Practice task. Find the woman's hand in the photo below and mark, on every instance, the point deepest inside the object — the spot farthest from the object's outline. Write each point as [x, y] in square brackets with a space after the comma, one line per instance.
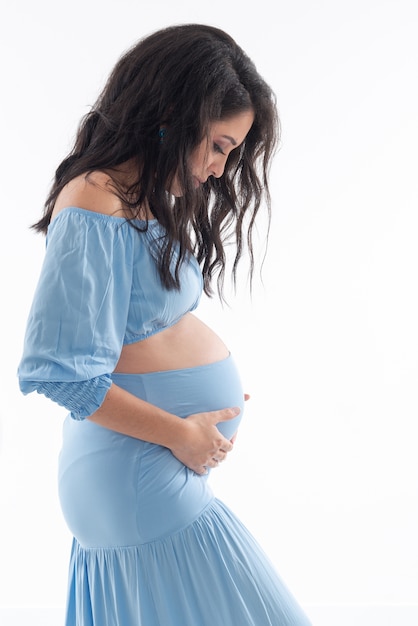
[202, 445]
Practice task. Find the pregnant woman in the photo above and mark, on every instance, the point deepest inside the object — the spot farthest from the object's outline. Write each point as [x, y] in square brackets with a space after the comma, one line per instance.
[171, 162]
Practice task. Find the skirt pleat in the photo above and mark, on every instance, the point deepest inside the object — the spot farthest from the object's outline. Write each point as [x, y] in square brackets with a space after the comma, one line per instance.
[212, 572]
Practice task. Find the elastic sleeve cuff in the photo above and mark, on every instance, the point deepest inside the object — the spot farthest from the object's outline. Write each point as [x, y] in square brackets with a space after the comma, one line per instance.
[80, 398]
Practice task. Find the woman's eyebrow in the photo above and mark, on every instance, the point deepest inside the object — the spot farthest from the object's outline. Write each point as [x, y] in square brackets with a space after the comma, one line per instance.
[231, 139]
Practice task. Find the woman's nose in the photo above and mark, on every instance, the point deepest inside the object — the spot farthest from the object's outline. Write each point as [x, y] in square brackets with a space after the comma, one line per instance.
[217, 167]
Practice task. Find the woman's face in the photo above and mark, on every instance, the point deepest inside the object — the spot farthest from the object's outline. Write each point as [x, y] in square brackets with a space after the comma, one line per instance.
[210, 156]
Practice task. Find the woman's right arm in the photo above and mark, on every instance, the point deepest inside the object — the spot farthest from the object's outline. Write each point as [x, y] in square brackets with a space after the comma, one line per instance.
[194, 440]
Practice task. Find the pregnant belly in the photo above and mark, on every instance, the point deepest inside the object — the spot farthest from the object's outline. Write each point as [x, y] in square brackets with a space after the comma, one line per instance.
[118, 491]
[189, 343]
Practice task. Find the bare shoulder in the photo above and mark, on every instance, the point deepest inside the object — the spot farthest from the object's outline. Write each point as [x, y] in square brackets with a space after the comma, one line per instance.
[92, 192]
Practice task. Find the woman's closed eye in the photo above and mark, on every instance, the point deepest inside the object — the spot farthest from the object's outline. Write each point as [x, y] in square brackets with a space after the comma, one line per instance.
[217, 148]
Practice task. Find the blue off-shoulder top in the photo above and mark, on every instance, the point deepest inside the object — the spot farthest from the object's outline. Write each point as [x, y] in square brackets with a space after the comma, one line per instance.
[99, 289]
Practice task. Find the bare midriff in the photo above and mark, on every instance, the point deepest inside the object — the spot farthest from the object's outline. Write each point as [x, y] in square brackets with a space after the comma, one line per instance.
[189, 343]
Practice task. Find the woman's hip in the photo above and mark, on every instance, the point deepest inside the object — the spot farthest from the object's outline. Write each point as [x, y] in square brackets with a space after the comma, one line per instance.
[117, 490]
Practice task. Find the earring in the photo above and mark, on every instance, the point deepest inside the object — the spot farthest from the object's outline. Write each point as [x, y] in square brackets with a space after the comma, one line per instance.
[161, 134]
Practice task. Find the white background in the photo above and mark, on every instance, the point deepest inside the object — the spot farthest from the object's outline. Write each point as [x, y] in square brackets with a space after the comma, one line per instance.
[325, 471]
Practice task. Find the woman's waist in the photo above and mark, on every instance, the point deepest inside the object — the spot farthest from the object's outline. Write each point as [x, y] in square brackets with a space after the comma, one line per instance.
[182, 392]
[206, 387]
[190, 390]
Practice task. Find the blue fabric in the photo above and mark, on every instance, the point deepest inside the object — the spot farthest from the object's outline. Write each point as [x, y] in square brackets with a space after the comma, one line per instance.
[98, 290]
[153, 546]
[80, 398]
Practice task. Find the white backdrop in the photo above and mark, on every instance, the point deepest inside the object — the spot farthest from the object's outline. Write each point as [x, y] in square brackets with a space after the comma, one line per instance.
[325, 469]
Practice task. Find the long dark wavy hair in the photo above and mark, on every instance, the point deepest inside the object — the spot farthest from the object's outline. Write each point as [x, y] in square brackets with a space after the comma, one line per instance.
[182, 78]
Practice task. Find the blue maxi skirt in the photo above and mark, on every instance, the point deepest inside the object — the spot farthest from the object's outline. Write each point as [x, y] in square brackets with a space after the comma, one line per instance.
[152, 545]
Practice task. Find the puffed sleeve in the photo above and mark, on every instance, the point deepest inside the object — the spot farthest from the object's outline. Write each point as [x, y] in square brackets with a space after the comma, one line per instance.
[78, 317]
